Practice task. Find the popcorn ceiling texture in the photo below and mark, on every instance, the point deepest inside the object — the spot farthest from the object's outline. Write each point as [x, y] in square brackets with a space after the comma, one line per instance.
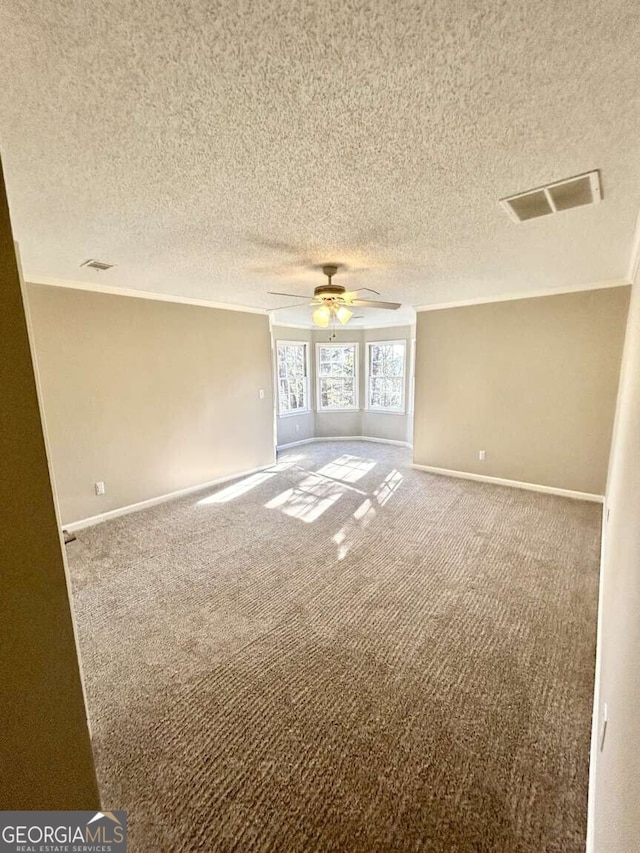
[217, 149]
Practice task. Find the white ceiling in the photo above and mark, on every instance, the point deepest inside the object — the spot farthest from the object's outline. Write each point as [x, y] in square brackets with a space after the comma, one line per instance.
[219, 150]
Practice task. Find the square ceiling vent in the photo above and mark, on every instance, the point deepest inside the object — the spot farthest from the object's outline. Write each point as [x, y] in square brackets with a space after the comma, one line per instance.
[554, 198]
[97, 265]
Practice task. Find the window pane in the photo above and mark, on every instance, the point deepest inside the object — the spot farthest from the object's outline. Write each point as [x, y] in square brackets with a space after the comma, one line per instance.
[336, 361]
[324, 361]
[349, 361]
[386, 375]
[337, 393]
[298, 390]
[282, 367]
[393, 393]
[374, 391]
[337, 370]
[395, 360]
[284, 395]
[290, 357]
[347, 398]
[292, 377]
[375, 364]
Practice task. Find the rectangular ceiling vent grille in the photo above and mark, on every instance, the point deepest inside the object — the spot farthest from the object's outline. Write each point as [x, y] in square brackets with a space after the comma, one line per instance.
[96, 265]
[554, 198]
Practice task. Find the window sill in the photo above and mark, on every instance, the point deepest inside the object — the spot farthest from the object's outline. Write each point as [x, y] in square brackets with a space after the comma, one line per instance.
[334, 411]
[373, 411]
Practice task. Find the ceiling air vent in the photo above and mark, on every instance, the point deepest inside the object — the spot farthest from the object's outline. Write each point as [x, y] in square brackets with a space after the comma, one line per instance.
[96, 265]
[562, 195]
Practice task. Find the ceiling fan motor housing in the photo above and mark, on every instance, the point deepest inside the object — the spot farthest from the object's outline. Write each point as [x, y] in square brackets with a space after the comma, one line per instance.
[329, 291]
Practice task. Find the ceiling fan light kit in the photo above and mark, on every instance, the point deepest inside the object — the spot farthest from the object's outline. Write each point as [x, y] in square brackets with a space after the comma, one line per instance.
[322, 316]
[332, 300]
[343, 314]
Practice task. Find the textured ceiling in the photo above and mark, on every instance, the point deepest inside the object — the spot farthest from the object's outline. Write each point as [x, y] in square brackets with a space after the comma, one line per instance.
[219, 150]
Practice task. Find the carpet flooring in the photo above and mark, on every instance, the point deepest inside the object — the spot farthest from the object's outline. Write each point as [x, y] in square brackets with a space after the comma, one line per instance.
[343, 654]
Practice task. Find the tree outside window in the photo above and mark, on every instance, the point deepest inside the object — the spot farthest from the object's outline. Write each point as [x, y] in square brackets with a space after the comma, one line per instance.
[293, 384]
[337, 368]
[385, 373]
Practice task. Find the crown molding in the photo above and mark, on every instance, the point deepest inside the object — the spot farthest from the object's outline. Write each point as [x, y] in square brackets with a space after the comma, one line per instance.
[291, 325]
[534, 294]
[93, 287]
[140, 294]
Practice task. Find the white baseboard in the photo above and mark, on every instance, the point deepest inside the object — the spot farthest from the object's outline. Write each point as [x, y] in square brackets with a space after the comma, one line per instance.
[379, 440]
[125, 510]
[516, 484]
[295, 443]
[595, 715]
[344, 438]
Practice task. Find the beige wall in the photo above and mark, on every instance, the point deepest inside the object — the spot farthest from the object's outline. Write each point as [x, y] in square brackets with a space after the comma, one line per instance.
[45, 752]
[532, 382]
[617, 767]
[150, 397]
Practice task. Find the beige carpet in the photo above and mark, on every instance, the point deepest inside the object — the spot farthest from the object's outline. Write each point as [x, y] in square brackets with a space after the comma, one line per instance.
[343, 654]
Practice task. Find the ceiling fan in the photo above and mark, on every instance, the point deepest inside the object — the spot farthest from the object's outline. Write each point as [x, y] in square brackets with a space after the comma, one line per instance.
[332, 300]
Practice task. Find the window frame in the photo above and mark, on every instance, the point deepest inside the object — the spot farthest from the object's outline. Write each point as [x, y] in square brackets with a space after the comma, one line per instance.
[288, 413]
[356, 377]
[412, 378]
[402, 410]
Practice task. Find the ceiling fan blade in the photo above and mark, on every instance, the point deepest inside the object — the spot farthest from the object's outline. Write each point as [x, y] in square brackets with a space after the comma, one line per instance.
[285, 307]
[351, 293]
[366, 303]
[294, 295]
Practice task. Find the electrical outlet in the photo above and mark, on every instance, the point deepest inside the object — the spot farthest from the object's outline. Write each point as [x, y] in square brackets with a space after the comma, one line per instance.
[261, 393]
[297, 427]
[481, 455]
[100, 488]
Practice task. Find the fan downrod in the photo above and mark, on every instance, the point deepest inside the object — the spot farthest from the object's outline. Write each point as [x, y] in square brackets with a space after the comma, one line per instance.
[329, 290]
[330, 270]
